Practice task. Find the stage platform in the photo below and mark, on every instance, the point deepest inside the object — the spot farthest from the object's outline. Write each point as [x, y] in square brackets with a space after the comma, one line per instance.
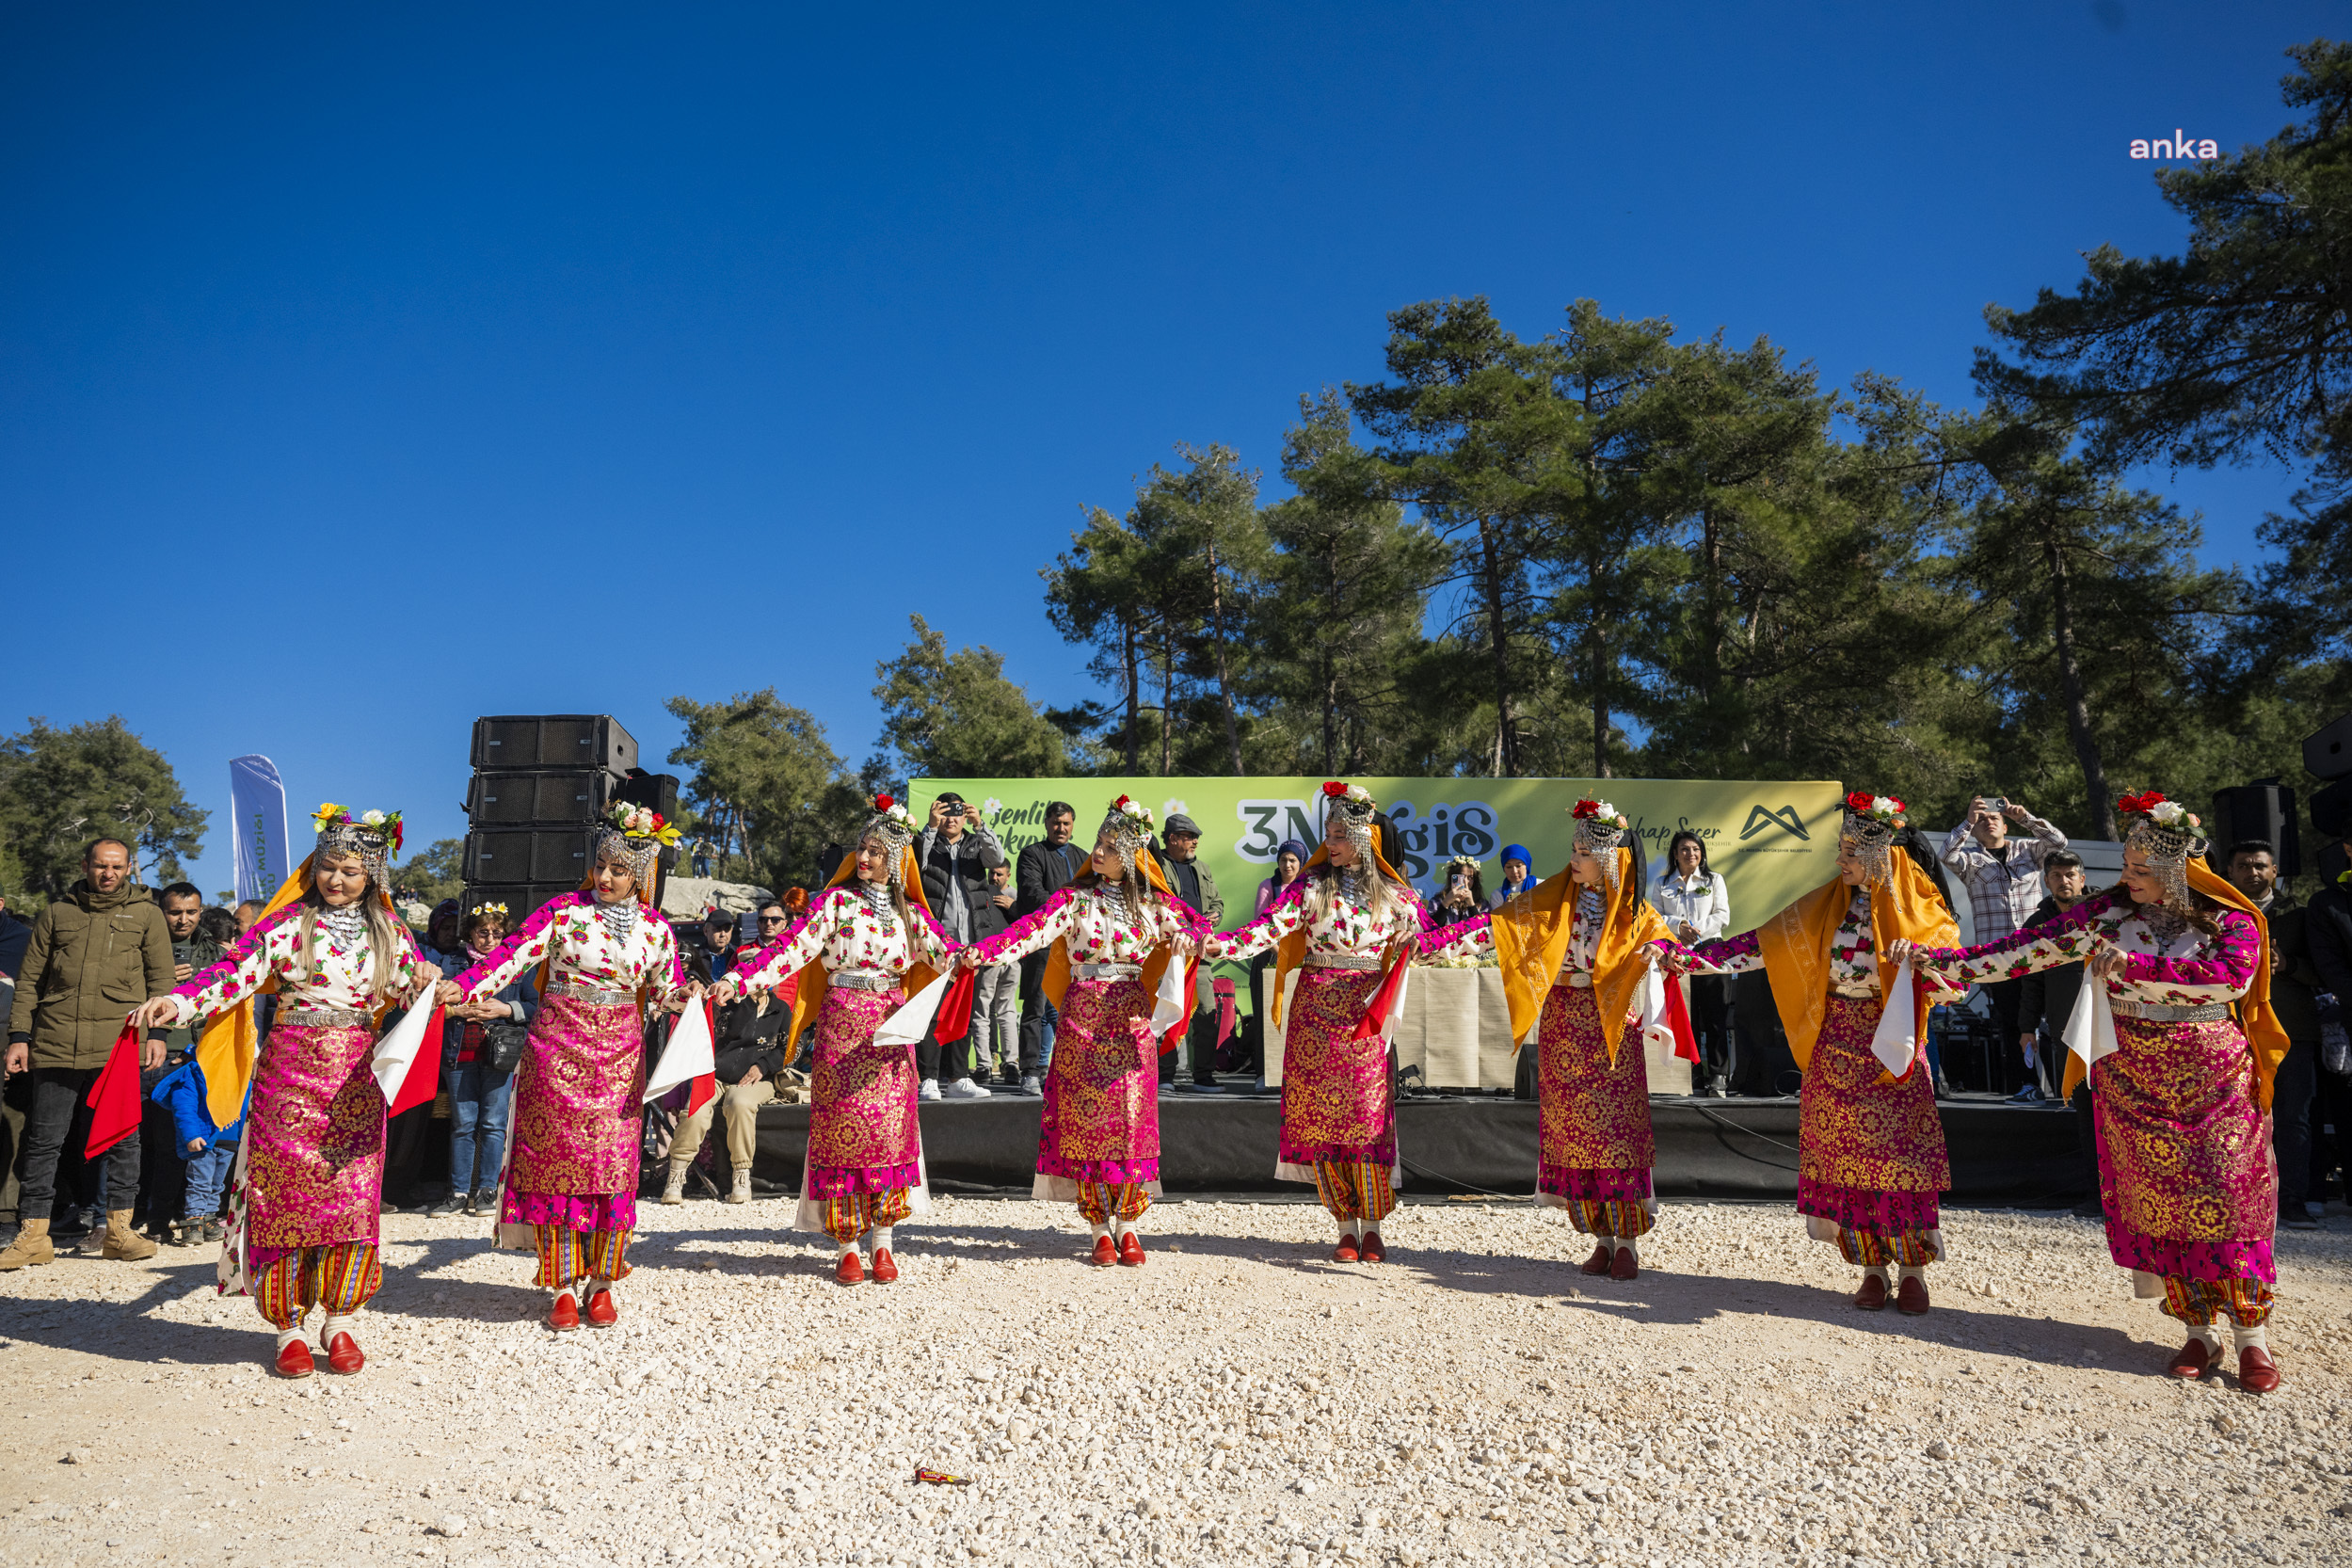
[2001, 1154]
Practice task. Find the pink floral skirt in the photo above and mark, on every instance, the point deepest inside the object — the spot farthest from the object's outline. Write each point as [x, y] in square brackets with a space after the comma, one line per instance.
[2186, 1164]
[1339, 1101]
[863, 1135]
[577, 1118]
[1594, 1138]
[1102, 1120]
[1870, 1151]
[314, 1142]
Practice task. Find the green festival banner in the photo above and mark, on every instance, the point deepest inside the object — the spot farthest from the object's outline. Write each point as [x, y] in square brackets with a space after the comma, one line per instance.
[1770, 841]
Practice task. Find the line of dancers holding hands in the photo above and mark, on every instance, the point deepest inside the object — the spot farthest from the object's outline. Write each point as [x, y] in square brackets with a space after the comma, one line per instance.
[2176, 1035]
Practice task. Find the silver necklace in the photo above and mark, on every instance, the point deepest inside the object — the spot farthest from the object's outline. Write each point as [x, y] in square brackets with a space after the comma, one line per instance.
[619, 918]
[345, 925]
[877, 897]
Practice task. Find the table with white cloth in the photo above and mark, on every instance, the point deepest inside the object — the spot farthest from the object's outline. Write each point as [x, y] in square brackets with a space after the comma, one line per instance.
[1455, 1026]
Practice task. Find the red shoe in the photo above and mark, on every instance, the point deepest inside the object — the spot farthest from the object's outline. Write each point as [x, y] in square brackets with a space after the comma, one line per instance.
[565, 1315]
[1872, 1296]
[1131, 1250]
[885, 1266]
[1622, 1266]
[2257, 1372]
[1911, 1297]
[1603, 1259]
[1370, 1249]
[1106, 1252]
[602, 1312]
[852, 1271]
[294, 1360]
[2192, 1360]
[342, 1356]
[1345, 1251]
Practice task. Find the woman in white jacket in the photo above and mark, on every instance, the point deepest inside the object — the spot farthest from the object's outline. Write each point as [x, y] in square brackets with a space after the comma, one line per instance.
[1698, 908]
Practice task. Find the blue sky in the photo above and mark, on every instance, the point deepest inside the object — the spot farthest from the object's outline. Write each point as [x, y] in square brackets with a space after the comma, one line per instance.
[566, 358]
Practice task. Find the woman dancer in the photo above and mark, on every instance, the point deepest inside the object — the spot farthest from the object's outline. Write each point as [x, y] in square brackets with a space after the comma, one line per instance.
[1870, 1161]
[1345, 922]
[1575, 954]
[864, 944]
[310, 1168]
[1114, 931]
[608, 958]
[2181, 1056]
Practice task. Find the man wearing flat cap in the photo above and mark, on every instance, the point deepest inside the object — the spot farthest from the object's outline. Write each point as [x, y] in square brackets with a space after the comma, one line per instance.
[1189, 881]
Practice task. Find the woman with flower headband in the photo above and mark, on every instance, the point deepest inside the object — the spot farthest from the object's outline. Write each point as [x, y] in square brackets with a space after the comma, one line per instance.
[607, 959]
[1577, 954]
[1344, 922]
[310, 1166]
[1116, 933]
[1870, 1158]
[864, 944]
[2181, 1047]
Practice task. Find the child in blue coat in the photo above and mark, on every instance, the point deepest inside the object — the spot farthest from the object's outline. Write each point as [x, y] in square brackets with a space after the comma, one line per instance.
[210, 1152]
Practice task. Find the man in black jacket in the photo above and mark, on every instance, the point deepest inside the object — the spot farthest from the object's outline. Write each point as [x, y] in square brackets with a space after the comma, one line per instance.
[2327, 944]
[2044, 1002]
[749, 1048]
[1044, 869]
[2252, 869]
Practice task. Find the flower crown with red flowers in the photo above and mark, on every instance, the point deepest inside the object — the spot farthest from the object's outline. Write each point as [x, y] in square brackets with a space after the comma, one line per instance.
[1354, 799]
[1129, 824]
[1599, 824]
[374, 837]
[2166, 832]
[1873, 816]
[632, 821]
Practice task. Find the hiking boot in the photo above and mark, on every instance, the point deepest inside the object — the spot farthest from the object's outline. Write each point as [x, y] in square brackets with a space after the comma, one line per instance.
[31, 1247]
[122, 1243]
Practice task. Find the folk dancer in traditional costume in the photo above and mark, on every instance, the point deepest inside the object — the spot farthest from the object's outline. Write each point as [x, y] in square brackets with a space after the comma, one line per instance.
[607, 960]
[310, 1181]
[1341, 926]
[1579, 954]
[1121, 940]
[2181, 1046]
[860, 949]
[1870, 1162]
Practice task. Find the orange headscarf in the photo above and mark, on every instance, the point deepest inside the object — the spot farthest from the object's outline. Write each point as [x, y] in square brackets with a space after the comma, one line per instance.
[815, 980]
[1155, 966]
[1291, 951]
[1795, 942]
[1531, 937]
[2265, 1035]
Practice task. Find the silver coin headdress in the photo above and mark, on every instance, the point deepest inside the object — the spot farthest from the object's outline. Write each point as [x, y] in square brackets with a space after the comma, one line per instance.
[1600, 828]
[1872, 823]
[1352, 807]
[1128, 824]
[633, 836]
[892, 826]
[2166, 832]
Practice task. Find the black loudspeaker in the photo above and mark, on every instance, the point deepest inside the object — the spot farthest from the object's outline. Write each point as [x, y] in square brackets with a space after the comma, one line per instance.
[522, 900]
[519, 741]
[548, 795]
[511, 855]
[657, 790]
[2331, 811]
[2327, 753]
[2265, 811]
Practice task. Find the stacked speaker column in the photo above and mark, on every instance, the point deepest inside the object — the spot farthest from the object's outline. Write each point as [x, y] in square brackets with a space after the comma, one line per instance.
[541, 786]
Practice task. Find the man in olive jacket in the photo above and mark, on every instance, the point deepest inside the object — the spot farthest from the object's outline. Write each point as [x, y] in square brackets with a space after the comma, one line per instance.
[94, 956]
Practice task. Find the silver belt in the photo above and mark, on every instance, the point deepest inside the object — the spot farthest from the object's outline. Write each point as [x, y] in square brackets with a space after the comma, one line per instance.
[325, 1017]
[1106, 971]
[1577, 979]
[864, 980]
[2166, 1013]
[1339, 961]
[590, 993]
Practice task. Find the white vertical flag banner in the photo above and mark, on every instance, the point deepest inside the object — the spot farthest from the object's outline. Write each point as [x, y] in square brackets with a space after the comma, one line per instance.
[256, 827]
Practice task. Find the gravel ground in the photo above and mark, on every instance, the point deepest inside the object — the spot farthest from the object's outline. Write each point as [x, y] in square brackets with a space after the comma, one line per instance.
[1238, 1400]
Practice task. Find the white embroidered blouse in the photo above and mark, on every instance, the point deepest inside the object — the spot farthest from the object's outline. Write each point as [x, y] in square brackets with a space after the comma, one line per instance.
[843, 931]
[581, 948]
[1345, 929]
[342, 974]
[1101, 928]
[2178, 966]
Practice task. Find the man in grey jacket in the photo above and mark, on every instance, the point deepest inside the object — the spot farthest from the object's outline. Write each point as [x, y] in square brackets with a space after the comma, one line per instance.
[94, 956]
[955, 850]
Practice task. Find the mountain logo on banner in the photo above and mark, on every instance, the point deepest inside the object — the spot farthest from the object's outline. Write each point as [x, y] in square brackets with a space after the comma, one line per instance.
[1759, 819]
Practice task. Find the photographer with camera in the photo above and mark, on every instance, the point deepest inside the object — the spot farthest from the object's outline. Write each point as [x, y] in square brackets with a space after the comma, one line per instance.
[2003, 875]
[956, 851]
[1462, 896]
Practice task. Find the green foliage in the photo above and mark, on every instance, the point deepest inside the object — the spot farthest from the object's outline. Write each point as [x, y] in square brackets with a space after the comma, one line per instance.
[434, 872]
[766, 787]
[61, 787]
[954, 716]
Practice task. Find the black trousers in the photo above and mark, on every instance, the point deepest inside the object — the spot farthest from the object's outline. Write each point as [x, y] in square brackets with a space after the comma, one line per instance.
[2010, 1069]
[59, 1116]
[2292, 1096]
[949, 1062]
[1710, 1008]
[1037, 1014]
[2086, 1139]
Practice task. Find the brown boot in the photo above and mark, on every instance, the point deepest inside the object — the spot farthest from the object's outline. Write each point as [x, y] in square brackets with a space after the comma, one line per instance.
[31, 1247]
[122, 1243]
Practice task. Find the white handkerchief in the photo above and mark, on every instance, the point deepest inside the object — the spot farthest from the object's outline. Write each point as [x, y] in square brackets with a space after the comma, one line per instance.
[2090, 1028]
[1895, 1041]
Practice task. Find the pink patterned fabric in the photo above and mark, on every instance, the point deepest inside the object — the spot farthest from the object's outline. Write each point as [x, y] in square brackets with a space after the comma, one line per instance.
[863, 1135]
[2186, 1164]
[576, 1107]
[1870, 1153]
[1338, 1102]
[2235, 954]
[1592, 1128]
[1102, 1120]
[572, 1211]
[314, 1132]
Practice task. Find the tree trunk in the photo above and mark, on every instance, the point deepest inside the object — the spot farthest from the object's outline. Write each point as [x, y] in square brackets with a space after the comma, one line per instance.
[2071, 686]
[1497, 635]
[1600, 676]
[1167, 694]
[1134, 695]
[1224, 678]
[1711, 608]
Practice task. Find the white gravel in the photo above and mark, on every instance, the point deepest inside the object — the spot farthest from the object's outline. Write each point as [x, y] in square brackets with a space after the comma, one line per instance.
[1240, 1400]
